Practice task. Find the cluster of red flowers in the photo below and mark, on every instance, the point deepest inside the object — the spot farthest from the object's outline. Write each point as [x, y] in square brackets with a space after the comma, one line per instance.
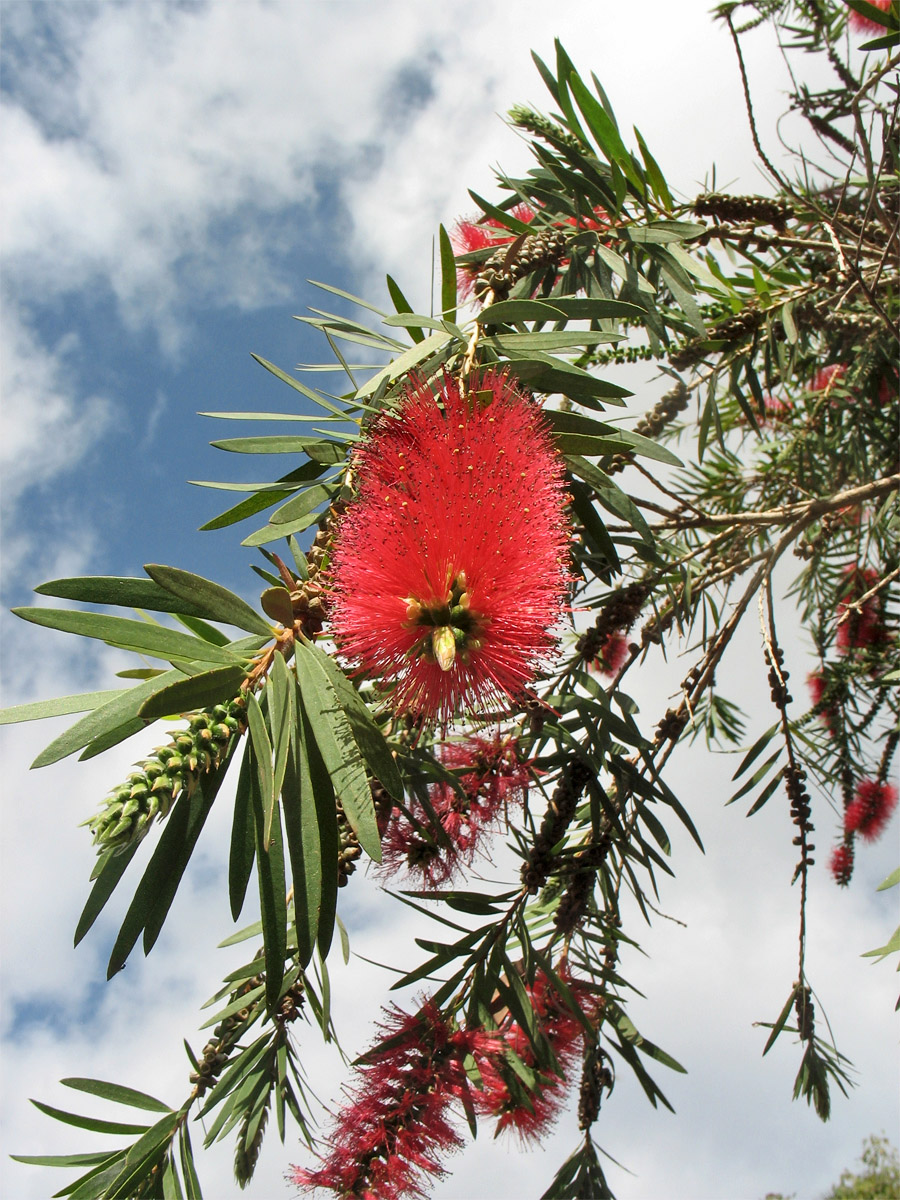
[612, 655]
[864, 24]
[468, 235]
[396, 1124]
[530, 1114]
[449, 570]
[397, 1119]
[818, 686]
[492, 777]
[860, 625]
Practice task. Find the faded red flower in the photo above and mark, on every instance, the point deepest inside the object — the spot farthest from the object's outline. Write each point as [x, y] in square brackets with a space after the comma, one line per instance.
[887, 389]
[395, 1126]
[449, 570]
[827, 377]
[776, 410]
[871, 809]
[864, 24]
[860, 625]
[818, 686]
[492, 776]
[531, 1113]
[612, 655]
[841, 864]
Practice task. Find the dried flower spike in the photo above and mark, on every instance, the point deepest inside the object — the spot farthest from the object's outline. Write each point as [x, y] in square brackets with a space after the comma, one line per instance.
[449, 570]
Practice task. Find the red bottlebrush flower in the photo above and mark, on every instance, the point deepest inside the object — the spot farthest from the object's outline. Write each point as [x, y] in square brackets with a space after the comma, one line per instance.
[818, 685]
[492, 776]
[776, 410]
[449, 570]
[864, 24]
[827, 377]
[841, 864]
[859, 625]
[612, 656]
[395, 1125]
[467, 236]
[530, 1114]
[887, 389]
[871, 809]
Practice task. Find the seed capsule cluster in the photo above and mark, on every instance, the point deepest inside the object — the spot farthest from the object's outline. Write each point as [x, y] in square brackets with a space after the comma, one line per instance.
[732, 330]
[596, 1078]
[217, 1049]
[662, 414]
[500, 272]
[558, 817]
[151, 789]
[573, 904]
[759, 210]
[619, 613]
[349, 848]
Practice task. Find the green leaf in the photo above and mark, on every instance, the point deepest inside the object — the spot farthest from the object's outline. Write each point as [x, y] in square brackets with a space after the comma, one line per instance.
[243, 841]
[123, 593]
[199, 691]
[191, 1182]
[140, 1158]
[157, 641]
[308, 500]
[122, 707]
[272, 906]
[321, 451]
[448, 275]
[93, 1123]
[340, 753]
[551, 340]
[504, 312]
[261, 750]
[62, 706]
[892, 881]
[66, 1160]
[319, 833]
[654, 174]
[404, 363]
[402, 305]
[280, 690]
[369, 738]
[117, 1093]
[605, 133]
[216, 603]
[296, 384]
[109, 870]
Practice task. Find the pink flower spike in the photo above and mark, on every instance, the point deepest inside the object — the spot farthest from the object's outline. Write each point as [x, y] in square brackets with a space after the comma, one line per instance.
[450, 569]
[871, 809]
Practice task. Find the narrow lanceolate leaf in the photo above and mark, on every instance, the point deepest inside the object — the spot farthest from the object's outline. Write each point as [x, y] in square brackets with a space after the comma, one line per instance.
[141, 1157]
[61, 706]
[93, 1123]
[318, 449]
[199, 691]
[140, 636]
[448, 275]
[243, 840]
[124, 706]
[217, 602]
[375, 750]
[261, 760]
[123, 593]
[280, 690]
[340, 753]
[272, 904]
[319, 834]
[117, 1093]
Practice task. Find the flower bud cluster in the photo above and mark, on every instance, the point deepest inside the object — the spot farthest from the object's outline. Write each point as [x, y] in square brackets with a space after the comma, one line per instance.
[151, 790]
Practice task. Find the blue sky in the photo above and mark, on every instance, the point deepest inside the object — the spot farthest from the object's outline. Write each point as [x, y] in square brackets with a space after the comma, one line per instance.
[174, 174]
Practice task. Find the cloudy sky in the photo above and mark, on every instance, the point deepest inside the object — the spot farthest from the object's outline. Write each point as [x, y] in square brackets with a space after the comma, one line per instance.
[174, 173]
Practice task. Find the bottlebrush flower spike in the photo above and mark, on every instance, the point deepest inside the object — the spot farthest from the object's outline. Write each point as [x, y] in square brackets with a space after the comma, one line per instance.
[612, 655]
[449, 570]
[818, 686]
[841, 864]
[827, 377]
[863, 626]
[871, 809]
[492, 776]
[865, 24]
[389, 1135]
[562, 1029]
